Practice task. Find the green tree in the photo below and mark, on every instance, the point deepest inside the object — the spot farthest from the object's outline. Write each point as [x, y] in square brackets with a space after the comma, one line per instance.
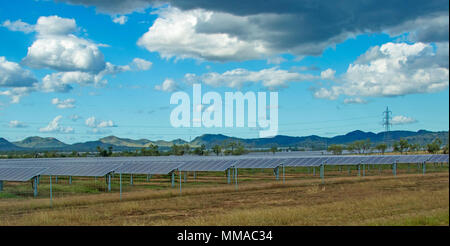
[200, 150]
[360, 146]
[381, 147]
[401, 146]
[434, 146]
[217, 149]
[336, 149]
[414, 147]
[274, 149]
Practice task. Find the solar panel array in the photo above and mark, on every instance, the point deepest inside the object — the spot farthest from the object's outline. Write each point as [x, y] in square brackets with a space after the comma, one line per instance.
[19, 173]
[207, 165]
[438, 158]
[21, 169]
[154, 167]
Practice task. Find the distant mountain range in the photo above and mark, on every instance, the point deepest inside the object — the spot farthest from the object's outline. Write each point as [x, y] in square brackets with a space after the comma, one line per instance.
[309, 142]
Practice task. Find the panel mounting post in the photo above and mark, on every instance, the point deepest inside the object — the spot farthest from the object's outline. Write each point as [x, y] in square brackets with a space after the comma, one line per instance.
[35, 187]
[424, 164]
[179, 174]
[173, 179]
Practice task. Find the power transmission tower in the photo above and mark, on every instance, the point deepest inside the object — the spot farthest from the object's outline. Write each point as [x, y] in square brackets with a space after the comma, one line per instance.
[387, 116]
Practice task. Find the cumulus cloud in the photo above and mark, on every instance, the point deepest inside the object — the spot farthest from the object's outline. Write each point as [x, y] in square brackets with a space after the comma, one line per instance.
[142, 64]
[169, 85]
[173, 34]
[121, 19]
[401, 120]
[18, 26]
[68, 103]
[222, 30]
[76, 60]
[56, 46]
[426, 29]
[270, 78]
[55, 127]
[13, 75]
[356, 100]
[55, 25]
[94, 123]
[392, 69]
[327, 74]
[65, 53]
[63, 81]
[15, 94]
[17, 124]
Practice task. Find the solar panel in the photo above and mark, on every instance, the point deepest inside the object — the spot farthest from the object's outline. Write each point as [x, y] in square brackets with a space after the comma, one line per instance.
[207, 165]
[345, 160]
[19, 173]
[258, 163]
[303, 161]
[438, 158]
[80, 170]
[146, 167]
[412, 158]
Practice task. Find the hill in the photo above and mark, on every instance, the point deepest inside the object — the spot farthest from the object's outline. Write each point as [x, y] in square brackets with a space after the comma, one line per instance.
[5, 145]
[314, 142]
[40, 143]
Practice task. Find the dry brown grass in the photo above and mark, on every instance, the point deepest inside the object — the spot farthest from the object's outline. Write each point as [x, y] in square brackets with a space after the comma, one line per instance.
[374, 200]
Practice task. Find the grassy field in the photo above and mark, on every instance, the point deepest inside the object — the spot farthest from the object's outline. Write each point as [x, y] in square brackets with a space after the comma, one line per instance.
[376, 199]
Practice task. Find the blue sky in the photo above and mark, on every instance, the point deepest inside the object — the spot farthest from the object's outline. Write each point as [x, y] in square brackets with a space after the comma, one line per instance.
[331, 76]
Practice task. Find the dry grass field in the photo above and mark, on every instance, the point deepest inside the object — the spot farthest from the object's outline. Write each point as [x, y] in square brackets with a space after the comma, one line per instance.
[407, 199]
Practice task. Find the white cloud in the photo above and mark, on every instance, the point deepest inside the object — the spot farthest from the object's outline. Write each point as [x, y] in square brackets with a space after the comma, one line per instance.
[121, 19]
[356, 100]
[74, 117]
[17, 93]
[271, 78]
[142, 64]
[18, 26]
[65, 53]
[17, 124]
[194, 28]
[173, 34]
[76, 60]
[401, 120]
[55, 127]
[62, 81]
[393, 69]
[55, 25]
[12, 75]
[169, 85]
[94, 123]
[68, 103]
[327, 74]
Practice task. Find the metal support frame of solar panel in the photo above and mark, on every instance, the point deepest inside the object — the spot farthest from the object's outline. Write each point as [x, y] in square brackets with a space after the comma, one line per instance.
[207, 165]
[19, 173]
[438, 159]
[146, 167]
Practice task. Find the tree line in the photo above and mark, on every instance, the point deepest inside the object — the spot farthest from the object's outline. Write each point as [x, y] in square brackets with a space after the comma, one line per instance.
[402, 146]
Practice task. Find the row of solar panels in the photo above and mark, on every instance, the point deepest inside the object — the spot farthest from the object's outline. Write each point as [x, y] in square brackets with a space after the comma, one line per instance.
[25, 169]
